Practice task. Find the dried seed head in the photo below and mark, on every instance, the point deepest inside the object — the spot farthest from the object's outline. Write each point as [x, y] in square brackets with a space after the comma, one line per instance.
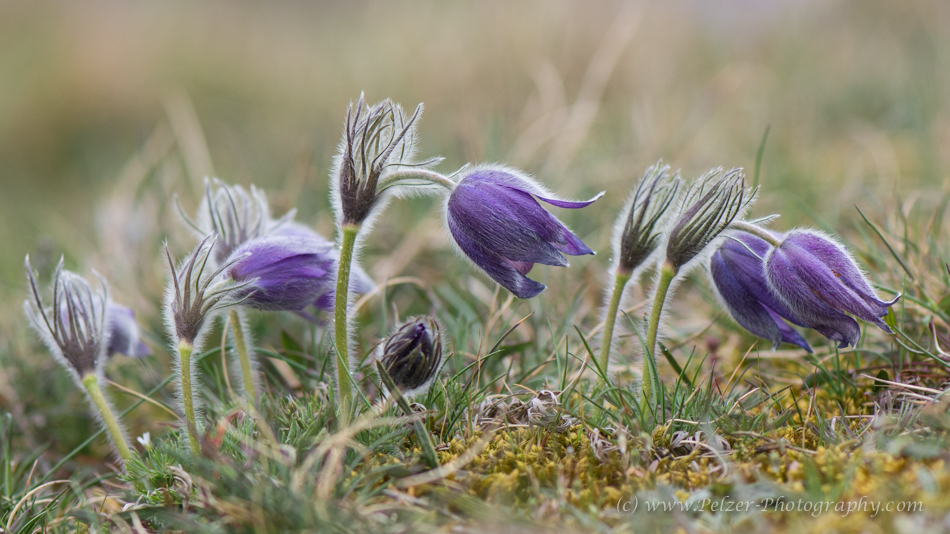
[195, 295]
[412, 356]
[74, 327]
[376, 140]
[709, 206]
[637, 233]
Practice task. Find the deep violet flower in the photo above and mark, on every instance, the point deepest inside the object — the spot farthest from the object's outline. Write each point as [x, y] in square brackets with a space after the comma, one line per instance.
[737, 273]
[412, 355]
[496, 220]
[124, 334]
[818, 280]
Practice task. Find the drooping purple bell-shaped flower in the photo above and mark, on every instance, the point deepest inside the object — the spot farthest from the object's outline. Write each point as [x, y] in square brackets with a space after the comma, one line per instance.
[283, 273]
[360, 282]
[496, 220]
[738, 275]
[819, 281]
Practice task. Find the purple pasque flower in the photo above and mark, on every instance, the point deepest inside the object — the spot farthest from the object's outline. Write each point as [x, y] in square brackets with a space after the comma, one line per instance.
[738, 275]
[495, 218]
[124, 334]
[283, 273]
[813, 274]
[360, 282]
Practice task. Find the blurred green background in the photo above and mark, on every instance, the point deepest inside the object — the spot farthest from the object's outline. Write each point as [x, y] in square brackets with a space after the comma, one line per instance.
[107, 109]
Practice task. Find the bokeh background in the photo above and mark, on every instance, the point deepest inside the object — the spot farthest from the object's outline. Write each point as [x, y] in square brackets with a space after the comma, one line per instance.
[109, 109]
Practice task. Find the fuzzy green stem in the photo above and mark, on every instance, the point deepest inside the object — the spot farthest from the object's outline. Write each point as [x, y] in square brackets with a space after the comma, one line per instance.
[667, 274]
[244, 357]
[184, 350]
[425, 440]
[340, 310]
[620, 282]
[755, 230]
[91, 383]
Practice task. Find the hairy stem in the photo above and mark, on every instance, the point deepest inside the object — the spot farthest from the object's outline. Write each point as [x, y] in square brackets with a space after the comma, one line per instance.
[244, 357]
[340, 310]
[184, 350]
[620, 282]
[755, 230]
[650, 375]
[91, 382]
[422, 174]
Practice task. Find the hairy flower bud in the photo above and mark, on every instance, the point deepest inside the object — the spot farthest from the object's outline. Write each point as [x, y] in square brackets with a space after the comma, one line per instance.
[637, 233]
[412, 356]
[709, 206]
[818, 280]
[496, 220]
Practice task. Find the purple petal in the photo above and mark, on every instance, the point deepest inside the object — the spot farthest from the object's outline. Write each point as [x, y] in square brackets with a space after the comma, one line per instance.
[747, 265]
[786, 282]
[506, 221]
[289, 273]
[498, 268]
[833, 277]
[520, 183]
[745, 300]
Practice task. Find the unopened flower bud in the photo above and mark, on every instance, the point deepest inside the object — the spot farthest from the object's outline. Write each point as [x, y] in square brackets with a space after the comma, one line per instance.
[412, 356]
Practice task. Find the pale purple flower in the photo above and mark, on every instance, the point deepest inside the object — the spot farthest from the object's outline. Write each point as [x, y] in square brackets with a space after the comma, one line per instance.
[738, 275]
[496, 220]
[819, 281]
[124, 334]
[283, 273]
[360, 282]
